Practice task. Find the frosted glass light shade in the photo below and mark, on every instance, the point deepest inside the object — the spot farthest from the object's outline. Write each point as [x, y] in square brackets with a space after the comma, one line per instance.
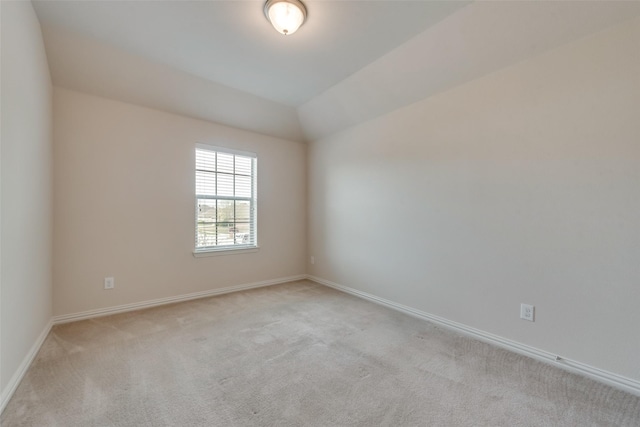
[286, 16]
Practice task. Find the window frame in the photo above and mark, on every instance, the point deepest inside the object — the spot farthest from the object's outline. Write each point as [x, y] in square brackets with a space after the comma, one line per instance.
[234, 248]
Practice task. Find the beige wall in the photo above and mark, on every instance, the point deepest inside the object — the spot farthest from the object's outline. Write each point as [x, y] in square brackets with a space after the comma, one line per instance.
[522, 186]
[26, 190]
[124, 205]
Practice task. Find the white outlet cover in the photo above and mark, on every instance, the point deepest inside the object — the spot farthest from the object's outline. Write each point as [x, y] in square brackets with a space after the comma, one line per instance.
[109, 283]
[527, 312]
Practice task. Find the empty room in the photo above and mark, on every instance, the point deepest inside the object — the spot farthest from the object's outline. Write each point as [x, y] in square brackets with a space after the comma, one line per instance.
[319, 213]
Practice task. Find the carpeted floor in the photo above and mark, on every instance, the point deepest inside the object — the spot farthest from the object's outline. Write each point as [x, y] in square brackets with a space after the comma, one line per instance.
[297, 354]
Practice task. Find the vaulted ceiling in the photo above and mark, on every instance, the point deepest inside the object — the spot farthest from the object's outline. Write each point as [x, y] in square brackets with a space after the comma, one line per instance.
[351, 61]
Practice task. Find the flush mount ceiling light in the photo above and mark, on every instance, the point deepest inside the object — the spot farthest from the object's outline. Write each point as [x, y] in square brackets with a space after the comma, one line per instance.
[286, 16]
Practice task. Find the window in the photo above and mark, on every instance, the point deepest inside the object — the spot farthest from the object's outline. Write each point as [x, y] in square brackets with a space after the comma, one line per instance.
[225, 199]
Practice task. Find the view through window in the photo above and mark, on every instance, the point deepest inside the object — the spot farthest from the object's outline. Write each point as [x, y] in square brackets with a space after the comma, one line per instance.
[225, 199]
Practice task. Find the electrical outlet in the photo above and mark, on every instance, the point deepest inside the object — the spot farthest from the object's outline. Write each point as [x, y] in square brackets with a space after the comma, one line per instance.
[109, 283]
[313, 259]
[527, 312]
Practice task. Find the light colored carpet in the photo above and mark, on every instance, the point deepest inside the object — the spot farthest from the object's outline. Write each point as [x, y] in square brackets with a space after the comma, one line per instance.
[297, 354]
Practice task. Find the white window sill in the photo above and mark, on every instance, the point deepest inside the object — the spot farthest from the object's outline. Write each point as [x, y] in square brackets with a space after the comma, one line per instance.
[226, 251]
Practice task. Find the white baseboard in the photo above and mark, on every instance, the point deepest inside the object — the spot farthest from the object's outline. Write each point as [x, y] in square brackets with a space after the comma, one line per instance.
[66, 318]
[14, 382]
[609, 378]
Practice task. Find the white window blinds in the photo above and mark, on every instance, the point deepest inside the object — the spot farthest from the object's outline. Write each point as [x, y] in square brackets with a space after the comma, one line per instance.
[225, 199]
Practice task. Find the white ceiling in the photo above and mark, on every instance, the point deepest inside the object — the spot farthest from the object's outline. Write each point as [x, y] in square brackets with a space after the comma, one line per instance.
[479, 39]
[352, 61]
[232, 43]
